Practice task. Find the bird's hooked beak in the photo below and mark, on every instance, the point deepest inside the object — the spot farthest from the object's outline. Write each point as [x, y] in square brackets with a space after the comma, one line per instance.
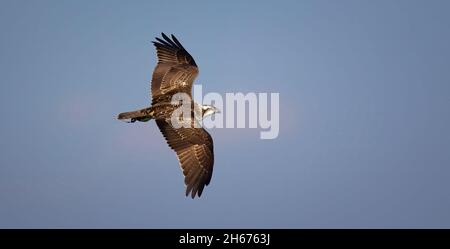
[209, 110]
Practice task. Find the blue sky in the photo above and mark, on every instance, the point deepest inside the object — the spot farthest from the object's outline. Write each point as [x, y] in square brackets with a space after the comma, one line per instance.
[364, 96]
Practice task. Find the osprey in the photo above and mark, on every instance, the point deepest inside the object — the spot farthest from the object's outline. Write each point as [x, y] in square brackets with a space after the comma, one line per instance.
[174, 74]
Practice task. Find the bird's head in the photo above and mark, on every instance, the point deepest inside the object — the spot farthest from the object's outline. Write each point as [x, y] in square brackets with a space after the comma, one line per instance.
[209, 110]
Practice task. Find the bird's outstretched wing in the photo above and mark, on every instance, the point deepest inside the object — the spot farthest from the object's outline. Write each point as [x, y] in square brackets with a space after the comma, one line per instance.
[194, 148]
[175, 71]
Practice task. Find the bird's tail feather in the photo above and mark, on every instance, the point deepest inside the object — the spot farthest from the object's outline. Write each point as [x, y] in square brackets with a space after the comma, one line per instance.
[142, 115]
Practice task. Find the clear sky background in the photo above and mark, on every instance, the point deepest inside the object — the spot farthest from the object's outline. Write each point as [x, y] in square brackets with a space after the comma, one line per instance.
[365, 114]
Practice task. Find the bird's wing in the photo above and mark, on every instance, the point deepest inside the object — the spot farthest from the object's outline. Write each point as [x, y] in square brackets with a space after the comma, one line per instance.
[175, 71]
[194, 148]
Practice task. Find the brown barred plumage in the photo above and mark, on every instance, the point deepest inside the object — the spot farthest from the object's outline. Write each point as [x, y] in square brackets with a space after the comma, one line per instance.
[175, 73]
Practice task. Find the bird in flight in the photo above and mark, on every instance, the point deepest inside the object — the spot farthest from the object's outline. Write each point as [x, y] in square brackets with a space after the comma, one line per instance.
[174, 74]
